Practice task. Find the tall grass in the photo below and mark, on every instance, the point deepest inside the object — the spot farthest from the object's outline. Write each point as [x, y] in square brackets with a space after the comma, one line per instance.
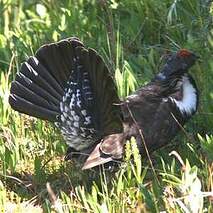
[131, 36]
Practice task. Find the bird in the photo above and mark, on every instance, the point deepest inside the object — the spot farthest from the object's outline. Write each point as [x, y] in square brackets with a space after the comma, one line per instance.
[70, 85]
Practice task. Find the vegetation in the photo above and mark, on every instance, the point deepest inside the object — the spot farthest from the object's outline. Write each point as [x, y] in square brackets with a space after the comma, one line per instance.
[131, 35]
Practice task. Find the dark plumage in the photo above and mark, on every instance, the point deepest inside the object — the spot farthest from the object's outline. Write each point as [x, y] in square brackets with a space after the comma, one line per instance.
[69, 84]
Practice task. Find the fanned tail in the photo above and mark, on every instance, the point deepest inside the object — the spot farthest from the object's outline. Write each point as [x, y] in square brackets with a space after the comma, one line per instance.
[70, 85]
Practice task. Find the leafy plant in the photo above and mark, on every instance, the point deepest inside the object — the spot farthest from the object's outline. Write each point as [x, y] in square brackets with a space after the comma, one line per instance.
[207, 145]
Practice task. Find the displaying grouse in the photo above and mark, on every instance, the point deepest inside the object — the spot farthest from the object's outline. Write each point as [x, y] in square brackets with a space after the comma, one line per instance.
[70, 85]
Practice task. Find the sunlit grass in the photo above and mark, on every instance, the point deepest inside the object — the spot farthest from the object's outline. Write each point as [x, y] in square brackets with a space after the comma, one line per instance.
[131, 36]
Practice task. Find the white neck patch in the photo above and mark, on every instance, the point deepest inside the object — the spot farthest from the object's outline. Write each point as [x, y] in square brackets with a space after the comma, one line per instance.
[188, 104]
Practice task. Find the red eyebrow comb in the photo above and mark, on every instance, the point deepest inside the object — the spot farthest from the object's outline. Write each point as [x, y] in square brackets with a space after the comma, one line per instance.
[184, 53]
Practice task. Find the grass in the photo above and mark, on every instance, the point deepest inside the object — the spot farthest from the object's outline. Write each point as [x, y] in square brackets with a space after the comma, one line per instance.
[131, 36]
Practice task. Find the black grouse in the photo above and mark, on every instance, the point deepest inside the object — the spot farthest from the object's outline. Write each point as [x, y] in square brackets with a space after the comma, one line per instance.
[70, 85]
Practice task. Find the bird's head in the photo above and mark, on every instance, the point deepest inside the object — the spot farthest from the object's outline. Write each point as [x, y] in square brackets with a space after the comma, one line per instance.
[177, 64]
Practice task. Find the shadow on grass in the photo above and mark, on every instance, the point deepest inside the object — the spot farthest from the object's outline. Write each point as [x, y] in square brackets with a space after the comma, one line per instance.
[31, 185]
[28, 185]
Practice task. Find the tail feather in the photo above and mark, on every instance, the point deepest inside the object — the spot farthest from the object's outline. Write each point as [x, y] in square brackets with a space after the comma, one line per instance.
[32, 86]
[104, 90]
[39, 86]
[20, 104]
[35, 76]
[52, 56]
[45, 78]
[31, 96]
[70, 85]
[48, 56]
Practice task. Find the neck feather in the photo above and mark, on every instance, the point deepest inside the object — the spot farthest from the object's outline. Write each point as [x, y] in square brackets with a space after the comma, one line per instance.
[189, 101]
